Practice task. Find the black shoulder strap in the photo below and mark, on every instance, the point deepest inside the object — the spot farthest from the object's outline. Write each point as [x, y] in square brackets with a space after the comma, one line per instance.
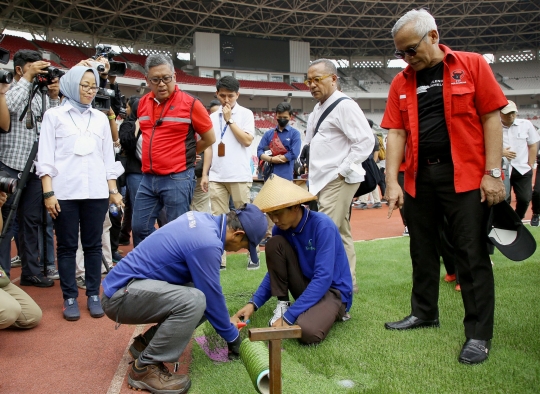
[326, 112]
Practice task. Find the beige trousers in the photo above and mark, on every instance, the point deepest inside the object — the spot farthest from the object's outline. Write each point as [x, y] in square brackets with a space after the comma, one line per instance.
[219, 199]
[105, 246]
[201, 200]
[17, 309]
[334, 200]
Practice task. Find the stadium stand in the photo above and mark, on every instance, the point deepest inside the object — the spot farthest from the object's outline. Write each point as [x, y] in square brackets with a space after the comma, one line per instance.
[13, 44]
[265, 85]
[69, 55]
[300, 86]
[133, 58]
[518, 75]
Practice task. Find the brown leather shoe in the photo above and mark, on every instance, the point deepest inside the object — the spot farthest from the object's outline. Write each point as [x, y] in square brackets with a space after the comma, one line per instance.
[157, 379]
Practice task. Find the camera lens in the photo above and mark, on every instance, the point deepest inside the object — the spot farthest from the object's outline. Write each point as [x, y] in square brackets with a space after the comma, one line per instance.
[5, 76]
[8, 185]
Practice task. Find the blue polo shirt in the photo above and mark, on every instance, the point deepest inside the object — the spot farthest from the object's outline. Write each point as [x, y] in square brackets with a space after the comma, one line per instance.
[291, 140]
[188, 249]
[322, 258]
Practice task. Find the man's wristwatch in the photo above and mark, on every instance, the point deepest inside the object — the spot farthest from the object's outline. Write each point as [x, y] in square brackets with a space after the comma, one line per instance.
[113, 191]
[495, 173]
[230, 121]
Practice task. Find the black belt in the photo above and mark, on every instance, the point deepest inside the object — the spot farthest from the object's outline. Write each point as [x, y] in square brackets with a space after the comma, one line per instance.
[429, 161]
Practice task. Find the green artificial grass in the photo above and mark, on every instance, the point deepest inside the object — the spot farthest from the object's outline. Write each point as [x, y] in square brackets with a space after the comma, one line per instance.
[381, 361]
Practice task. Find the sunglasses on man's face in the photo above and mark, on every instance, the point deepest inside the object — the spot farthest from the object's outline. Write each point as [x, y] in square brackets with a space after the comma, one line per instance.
[410, 51]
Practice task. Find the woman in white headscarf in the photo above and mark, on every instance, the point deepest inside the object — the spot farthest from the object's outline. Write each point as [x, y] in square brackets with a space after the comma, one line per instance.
[78, 173]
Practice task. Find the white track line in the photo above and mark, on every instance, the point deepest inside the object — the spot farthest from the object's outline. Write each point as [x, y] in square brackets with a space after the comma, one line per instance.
[118, 378]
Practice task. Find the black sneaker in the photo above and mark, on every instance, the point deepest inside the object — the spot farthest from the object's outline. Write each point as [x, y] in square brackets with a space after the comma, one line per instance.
[535, 222]
[37, 280]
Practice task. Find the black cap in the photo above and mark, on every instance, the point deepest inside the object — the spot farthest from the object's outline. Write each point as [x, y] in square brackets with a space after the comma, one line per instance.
[506, 231]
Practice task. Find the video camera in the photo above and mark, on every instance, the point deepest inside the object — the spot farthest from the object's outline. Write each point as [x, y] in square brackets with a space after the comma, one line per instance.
[102, 101]
[49, 74]
[7, 183]
[117, 69]
[5, 76]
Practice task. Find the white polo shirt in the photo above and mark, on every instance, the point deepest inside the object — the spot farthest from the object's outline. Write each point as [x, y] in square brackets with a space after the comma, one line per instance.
[235, 166]
[343, 142]
[518, 137]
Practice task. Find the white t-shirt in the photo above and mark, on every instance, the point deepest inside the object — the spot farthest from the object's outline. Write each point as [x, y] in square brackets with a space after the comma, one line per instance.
[518, 137]
[235, 166]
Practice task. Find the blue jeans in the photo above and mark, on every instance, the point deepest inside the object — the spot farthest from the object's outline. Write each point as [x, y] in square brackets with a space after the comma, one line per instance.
[132, 182]
[172, 192]
[89, 214]
[29, 215]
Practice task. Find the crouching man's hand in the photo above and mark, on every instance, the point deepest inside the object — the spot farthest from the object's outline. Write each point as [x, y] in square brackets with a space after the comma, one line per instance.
[234, 348]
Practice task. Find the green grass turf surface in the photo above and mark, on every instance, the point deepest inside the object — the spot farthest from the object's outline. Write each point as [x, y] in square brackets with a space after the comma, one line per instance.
[381, 361]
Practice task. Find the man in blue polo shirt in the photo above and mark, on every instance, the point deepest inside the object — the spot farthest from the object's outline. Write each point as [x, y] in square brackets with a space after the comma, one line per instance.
[283, 162]
[305, 256]
[172, 279]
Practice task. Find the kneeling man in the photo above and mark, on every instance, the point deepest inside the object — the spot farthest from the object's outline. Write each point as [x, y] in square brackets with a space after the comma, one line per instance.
[304, 256]
[172, 279]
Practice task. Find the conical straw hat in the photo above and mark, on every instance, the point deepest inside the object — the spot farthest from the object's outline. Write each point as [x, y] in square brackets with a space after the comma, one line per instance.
[280, 193]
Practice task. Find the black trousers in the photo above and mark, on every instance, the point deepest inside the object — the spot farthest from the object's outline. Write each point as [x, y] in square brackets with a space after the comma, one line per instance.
[536, 189]
[30, 217]
[436, 198]
[522, 185]
[88, 215]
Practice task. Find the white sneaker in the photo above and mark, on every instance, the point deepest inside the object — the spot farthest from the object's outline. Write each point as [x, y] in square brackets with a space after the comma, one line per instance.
[280, 310]
[406, 232]
[81, 282]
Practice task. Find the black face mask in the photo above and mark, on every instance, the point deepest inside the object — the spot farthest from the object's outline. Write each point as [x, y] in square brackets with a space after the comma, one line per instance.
[282, 122]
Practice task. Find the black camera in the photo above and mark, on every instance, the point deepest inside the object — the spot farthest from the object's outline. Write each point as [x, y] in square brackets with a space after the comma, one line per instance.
[5, 76]
[102, 101]
[7, 183]
[49, 73]
[117, 69]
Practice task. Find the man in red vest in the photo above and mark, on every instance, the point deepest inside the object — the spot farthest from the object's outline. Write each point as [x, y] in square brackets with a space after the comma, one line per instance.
[169, 119]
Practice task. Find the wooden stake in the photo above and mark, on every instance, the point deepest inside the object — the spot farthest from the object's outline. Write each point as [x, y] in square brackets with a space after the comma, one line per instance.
[275, 335]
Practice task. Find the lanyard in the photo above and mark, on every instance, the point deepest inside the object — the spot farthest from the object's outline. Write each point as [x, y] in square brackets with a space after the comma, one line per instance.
[89, 119]
[221, 125]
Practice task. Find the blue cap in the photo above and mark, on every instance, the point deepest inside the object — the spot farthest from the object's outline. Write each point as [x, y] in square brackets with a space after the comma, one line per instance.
[255, 224]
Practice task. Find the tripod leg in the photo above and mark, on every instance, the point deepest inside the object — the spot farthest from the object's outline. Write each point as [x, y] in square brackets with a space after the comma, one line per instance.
[105, 264]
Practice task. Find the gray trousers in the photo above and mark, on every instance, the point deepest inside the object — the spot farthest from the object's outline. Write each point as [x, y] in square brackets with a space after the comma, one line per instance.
[176, 309]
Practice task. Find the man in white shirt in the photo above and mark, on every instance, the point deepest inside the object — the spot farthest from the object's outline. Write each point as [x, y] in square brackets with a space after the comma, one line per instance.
[343, 141]
[230, 171]
[519, 147]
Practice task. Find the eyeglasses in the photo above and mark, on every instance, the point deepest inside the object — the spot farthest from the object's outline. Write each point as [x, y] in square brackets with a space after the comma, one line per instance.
[88, 88]
[316, 80]
[166, 79]
[410, 51]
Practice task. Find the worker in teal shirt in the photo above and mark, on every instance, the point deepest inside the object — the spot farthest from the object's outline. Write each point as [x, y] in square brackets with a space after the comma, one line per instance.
[305, 257]
[172, 279]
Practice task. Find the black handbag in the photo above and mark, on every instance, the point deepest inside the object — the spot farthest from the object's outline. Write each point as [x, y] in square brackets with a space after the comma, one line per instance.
[373, 175]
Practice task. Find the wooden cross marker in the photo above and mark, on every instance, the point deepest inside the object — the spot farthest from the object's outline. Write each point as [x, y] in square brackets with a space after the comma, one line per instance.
[275, 335]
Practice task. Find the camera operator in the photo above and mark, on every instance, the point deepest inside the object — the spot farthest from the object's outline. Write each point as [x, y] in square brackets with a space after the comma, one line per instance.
[15, 149]
[4, 110]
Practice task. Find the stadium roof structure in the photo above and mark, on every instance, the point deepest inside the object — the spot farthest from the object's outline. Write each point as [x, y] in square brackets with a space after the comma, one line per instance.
[333, 28]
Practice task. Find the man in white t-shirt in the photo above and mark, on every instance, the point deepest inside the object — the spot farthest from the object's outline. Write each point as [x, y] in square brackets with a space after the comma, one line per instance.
[343, 141]
[519, 147]
[230, 172]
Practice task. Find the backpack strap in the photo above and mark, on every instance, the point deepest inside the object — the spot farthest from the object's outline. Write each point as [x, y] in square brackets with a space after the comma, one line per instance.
[326, 112]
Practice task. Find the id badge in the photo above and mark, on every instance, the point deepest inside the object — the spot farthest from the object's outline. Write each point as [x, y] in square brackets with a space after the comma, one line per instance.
[84, 145]
[221, 149]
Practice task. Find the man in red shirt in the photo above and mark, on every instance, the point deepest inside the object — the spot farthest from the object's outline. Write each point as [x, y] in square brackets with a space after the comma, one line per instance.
[444, 109]
[169, 119]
